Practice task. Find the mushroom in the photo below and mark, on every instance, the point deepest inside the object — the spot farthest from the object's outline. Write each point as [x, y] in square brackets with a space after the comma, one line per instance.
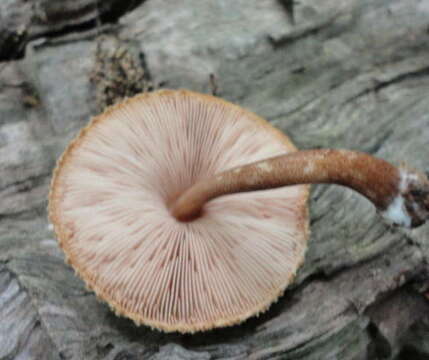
[137, 203]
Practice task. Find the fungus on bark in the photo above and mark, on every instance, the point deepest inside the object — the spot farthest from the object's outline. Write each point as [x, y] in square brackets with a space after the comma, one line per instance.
[136, 203]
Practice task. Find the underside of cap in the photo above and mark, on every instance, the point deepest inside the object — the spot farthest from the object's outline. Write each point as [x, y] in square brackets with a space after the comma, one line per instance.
[109, 206]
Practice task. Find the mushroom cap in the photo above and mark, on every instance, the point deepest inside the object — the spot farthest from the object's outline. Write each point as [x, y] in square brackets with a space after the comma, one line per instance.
[109, 204]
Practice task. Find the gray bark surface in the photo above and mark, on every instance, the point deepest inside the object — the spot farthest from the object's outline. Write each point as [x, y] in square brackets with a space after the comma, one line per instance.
[344, 74]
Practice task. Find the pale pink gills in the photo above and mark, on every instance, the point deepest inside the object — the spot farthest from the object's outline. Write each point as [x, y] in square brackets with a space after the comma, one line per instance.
[110, 206]
[137, 203]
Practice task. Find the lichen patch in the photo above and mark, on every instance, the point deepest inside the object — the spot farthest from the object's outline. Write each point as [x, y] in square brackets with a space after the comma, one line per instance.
[118, 72]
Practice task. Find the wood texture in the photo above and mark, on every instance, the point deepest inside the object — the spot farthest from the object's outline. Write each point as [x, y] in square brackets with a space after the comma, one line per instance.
[343, 74]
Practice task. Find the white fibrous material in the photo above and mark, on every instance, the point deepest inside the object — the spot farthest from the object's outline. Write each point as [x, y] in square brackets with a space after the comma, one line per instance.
[110, 208]
[396, 213]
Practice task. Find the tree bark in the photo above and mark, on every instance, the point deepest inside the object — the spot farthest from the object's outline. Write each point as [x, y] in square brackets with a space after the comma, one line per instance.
[339, 74]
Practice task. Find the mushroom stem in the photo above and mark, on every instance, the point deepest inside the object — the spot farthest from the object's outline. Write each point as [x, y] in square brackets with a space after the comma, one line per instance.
[401, 194]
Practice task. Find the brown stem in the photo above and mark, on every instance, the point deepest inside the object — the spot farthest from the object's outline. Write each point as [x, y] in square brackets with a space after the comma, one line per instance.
[376, 179]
